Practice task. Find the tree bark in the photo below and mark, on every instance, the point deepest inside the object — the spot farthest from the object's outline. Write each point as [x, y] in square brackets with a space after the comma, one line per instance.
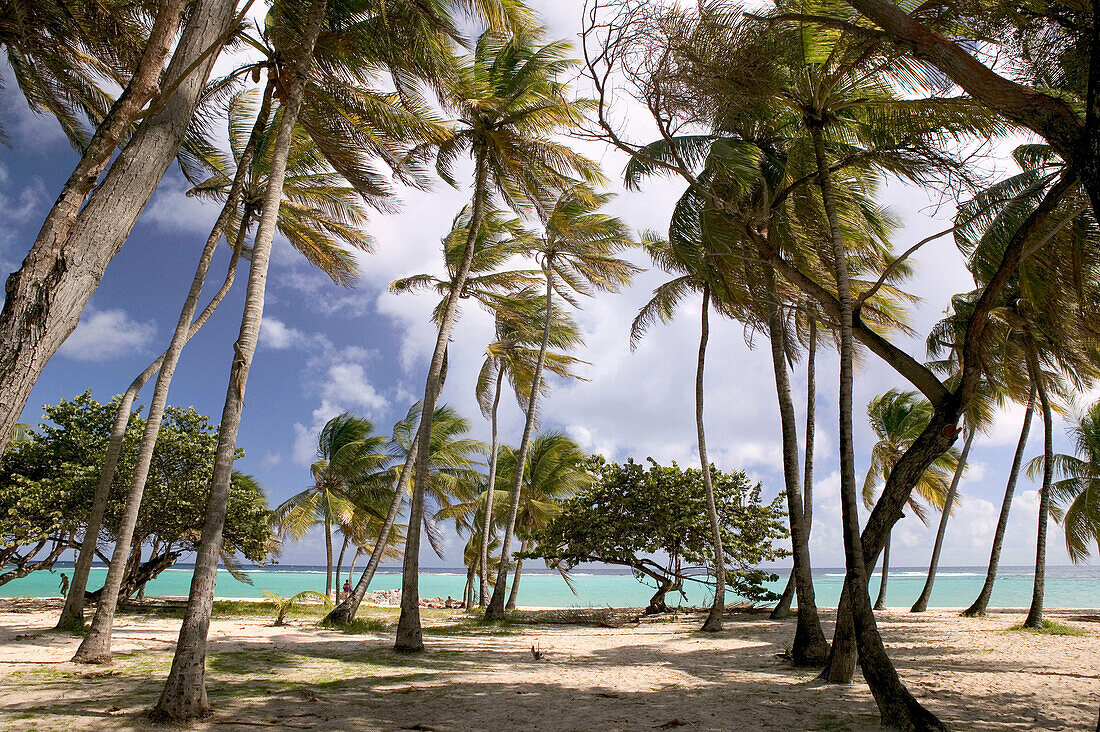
[184, 693]
[809, 647]
[897, 707]
[1035, 612]
[495, 610]
[72, 615]
[880, 601]
[45, 297]
[980, 605]
[328, 556]
[486, 531]
[926, 593]
[783, 608]
[409, 635]
[340, 563]
[713, 622]
[514, 594]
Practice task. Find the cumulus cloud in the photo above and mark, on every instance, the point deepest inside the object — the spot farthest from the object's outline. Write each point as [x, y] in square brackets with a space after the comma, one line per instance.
[103, 335]
[279, 336]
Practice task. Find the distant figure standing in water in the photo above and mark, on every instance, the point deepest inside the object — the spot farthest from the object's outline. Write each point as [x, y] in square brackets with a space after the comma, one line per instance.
[64, 584]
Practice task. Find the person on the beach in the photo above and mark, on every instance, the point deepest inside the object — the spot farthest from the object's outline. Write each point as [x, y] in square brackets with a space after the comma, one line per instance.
[64, 585]
[347, 588]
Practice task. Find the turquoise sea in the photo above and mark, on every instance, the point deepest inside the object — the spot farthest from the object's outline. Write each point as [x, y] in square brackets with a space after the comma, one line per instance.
[1066, 587]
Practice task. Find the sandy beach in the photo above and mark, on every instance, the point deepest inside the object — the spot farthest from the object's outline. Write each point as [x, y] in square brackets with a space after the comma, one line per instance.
[657, 674]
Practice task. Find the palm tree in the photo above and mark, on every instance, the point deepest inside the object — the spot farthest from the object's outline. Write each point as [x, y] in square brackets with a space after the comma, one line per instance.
[509, 100]
[349, 458]
[554, 471]
[683, 257]
[577, 253]
[897, 419]
[512, 356]
[1077, 495]
[319, 216]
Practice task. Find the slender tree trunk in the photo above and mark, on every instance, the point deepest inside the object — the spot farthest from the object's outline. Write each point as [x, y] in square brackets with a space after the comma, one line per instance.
[810, 647]
[328, 558]
[351, 564]
[714, 617]
[72, 615]
[880, 601]
[471, 579]
[897, 707]
[92, 218]
[486, 532]
[184, 694]
[783, 608]
[926, 594]
[409, 636]
[1035, 612]
[340, 563]
[495, 610]
[514, 594]
[96, 646]
[979, 606]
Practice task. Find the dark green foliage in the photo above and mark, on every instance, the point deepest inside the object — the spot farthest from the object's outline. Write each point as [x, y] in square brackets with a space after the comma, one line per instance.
[47, 483]
[632, 513]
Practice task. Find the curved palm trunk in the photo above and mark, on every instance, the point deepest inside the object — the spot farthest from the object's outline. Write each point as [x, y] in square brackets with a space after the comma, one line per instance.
[72, 615]
[93, 216]
[783, 608]
[926, 594]
[495, 609]
[340, 563]
[714, 617]
[184, 693]
[1035, 612]
[351, 564]
[810, 647]
[982, 602]
[897, 707]
[409, 635]
[514, 594]
[880, 601]
[483, 551]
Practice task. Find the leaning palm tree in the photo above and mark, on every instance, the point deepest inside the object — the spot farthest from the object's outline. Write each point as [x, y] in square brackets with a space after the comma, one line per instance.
[897, 418]
[1077, 494]
[578, 253]
[514, 355]
[349, 456]
[318, 213]
[510, 100]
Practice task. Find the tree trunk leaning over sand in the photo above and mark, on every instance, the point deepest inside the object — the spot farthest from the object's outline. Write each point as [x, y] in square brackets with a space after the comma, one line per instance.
[184, 694]
[495, 609]
[1035, 612]
[897, 707]
[926, 593]
[409, 636]
[809, 647]
[980, 605]
[93, 217]
[713, 622]
[486, 531]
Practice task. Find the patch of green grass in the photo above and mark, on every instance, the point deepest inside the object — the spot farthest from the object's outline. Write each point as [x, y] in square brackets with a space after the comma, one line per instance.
[1051, 628]
[361, 626]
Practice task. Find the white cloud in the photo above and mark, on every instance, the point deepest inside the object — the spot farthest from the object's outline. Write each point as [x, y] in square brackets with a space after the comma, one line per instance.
[347, 383]
[277, 335]
[103, 335]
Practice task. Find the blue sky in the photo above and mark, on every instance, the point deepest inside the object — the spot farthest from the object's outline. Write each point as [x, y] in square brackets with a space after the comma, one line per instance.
[324, 349]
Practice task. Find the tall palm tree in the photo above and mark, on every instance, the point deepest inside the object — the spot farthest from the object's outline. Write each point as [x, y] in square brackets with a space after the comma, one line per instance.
[510, 99]
[318, 213]
[1077, 494]
[897, 418]
[513, 355]
[578, 255]
[684, 258]
[350, 457]
[554, 471]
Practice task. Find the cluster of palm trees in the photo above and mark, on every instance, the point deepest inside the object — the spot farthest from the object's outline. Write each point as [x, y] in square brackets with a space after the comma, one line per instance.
[782, 124]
